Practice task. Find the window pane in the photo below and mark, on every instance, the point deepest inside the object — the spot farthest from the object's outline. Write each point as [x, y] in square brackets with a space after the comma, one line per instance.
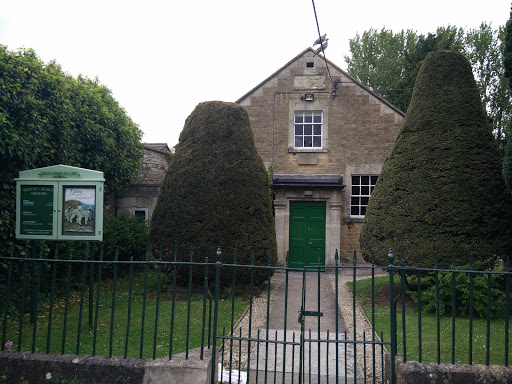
[308, 129]
[362, 187]
[140, 214]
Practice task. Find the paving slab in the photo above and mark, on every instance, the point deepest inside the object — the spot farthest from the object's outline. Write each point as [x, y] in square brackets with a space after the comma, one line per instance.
[277, 359]
[291, 301]
[283, 359]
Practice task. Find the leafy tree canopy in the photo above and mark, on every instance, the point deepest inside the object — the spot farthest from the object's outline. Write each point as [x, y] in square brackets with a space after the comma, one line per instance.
[47, 117]
[216, 193]
[441, 189]
[507, 63]
[507, 56]
[388, 63]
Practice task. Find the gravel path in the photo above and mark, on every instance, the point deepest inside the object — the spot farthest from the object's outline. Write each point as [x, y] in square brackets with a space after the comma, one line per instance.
[363, 326]
[259, 317]
[258, 321]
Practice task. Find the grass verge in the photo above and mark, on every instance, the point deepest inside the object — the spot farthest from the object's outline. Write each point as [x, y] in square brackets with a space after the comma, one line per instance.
[144, 336]
[432, 346]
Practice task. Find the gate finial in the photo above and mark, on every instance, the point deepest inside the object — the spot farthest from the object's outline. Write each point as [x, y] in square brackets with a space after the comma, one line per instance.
[391, 257]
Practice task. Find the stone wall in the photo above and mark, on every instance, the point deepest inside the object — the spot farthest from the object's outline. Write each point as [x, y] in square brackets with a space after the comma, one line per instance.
[413, 372]
[33, 368]
[358, 132]
[155, 164]
[350, 233]
[361, 128]
[142, 194]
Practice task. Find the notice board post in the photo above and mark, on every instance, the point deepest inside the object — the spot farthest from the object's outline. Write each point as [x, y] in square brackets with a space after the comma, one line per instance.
[59, 203]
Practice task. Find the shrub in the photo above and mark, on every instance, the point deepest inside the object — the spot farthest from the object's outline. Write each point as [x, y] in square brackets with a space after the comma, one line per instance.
[48, 117]
[216, 193]
[441, 189]
[129, 234]
[462, 294]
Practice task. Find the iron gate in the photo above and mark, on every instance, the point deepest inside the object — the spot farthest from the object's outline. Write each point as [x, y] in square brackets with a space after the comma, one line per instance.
[305, 338]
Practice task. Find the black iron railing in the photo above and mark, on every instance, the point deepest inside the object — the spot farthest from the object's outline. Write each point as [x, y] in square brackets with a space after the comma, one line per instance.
[80, 303]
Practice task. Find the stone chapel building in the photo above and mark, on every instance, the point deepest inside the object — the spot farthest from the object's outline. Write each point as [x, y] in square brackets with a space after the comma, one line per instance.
[326, 136]
[142, 194]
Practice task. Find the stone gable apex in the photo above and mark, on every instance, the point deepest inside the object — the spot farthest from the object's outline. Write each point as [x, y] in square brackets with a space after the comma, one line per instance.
[335, 71]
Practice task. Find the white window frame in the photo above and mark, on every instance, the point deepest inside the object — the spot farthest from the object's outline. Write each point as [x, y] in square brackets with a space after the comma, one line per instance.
[360, 192]
[145, 210]
[308, 127]
[318, 105]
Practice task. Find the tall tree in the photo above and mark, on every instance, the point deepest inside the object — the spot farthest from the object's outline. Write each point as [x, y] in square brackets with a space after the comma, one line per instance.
[507, 56]
[378, 59]
[507, 63]
[483, 47]
[484, 51]
[441, 189]
[388, 62]
[48, 117]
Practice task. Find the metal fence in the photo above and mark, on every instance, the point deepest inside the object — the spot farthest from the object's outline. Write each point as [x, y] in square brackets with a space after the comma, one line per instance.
[64, 304]
[82, 304]
[464, 308]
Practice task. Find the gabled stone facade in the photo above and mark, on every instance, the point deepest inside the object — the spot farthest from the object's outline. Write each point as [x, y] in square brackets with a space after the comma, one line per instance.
[322, 131]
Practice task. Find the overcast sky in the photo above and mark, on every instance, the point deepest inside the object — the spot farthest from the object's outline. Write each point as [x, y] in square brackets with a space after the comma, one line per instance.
[162, 58]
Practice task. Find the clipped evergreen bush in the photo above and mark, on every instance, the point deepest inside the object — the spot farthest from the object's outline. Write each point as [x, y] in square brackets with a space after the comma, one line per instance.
[129, 234]
[429, 297]
[441, 189]
[507, 163]
[216, 194]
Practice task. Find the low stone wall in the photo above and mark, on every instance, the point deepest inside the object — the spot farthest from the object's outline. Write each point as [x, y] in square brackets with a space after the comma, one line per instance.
[36, 368]
[430, 373]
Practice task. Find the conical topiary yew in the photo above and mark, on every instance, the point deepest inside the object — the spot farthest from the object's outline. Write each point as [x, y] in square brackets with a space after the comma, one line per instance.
[441, 189]
[216, 193]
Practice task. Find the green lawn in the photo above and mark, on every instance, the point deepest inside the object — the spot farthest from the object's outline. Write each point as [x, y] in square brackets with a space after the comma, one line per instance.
[429, 344]
[120, 322]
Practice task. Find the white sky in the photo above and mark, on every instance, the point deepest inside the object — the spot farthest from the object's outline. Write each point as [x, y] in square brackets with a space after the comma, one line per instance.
[162, 58]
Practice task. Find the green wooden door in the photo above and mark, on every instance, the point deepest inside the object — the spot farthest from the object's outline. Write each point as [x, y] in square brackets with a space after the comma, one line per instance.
[307, 233]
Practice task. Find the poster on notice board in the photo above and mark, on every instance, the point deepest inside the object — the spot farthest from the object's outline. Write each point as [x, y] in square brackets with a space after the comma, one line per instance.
[79, 210]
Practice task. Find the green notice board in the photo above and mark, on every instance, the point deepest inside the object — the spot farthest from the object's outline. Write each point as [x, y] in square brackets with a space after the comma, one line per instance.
[36, 210]
[59, 203]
